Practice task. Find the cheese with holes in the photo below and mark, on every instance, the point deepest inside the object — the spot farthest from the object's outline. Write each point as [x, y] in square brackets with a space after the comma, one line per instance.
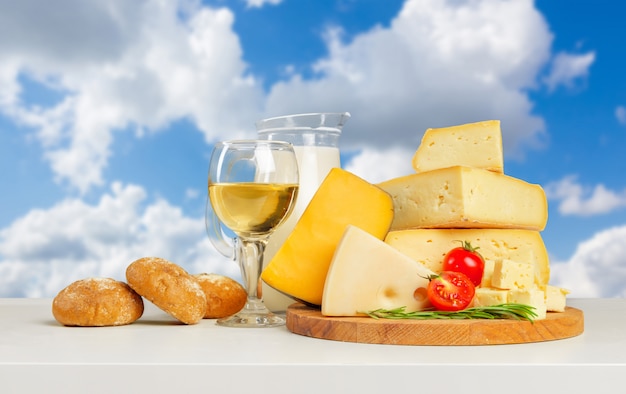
[466, 197]
[299, 267]
[429, 246]
[509, 274]
[474, 145]
[367, 274]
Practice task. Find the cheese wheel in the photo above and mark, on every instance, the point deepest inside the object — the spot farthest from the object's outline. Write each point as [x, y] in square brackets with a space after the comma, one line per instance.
[466, 197]
[429, 246]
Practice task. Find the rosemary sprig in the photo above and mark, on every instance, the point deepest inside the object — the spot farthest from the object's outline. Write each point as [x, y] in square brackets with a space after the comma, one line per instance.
[501, 311]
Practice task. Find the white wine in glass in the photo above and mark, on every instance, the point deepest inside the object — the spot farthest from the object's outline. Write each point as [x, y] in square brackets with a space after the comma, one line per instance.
[253, 186]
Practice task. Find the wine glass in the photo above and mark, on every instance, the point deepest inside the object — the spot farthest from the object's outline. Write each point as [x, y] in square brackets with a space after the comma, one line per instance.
[253, 185]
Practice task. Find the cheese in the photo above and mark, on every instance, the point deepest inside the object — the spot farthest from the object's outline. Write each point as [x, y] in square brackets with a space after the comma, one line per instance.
[487, 273]
[300, 266]
[465, 197]
[533, 297]
[555, 298]
[488, 296]
[509, 274]
[429, 246]
[473, 145]
[367, 274]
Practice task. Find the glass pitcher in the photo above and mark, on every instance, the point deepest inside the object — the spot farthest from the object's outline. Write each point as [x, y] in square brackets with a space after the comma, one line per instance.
[315, 138]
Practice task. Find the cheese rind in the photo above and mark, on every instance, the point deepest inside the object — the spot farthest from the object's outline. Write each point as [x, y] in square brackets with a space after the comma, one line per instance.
[429, 246]
[300, 266]
[474, 145]
[367, 274]
[465, 197]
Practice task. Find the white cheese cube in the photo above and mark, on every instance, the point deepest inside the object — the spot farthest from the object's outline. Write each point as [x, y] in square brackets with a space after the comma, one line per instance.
[485, 296]
[487, 273]
[508, 274]
[533, 297]
[555, 298]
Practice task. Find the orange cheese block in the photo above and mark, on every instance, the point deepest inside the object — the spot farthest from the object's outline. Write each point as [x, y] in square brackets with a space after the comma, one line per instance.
[300, 266]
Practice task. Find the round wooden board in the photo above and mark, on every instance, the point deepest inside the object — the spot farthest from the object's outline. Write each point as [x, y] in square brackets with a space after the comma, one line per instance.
[309, 322]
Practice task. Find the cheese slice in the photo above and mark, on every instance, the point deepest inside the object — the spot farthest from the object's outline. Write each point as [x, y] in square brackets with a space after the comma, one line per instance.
[466, 197]
[300, 266]
[367, 274]
[474, 144]
[429, 246]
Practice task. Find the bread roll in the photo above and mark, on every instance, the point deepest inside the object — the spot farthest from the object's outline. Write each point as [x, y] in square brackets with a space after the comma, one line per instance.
[97, 302]
[224, 295]
[169, 287]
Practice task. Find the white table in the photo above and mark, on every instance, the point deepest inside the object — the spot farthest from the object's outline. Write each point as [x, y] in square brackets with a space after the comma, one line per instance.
[156, 354]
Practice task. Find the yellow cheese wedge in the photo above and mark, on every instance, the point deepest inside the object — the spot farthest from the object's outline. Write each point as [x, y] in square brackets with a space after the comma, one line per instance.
[474, 145]
[299, 267]
[367, 274]
[466, 197]
[429, 246]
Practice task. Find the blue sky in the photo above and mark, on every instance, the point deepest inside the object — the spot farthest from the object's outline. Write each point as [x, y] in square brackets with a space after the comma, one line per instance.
[108, 110]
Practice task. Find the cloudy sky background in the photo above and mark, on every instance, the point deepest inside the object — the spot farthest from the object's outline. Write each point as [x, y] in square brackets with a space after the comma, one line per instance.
[109, 108]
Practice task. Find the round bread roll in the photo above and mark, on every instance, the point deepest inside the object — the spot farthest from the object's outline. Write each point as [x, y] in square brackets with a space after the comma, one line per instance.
[97, 302]
[224, 296]
[169, 287]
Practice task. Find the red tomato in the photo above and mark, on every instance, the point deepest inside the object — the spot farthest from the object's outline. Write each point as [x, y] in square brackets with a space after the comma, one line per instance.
[450, 291]
[467, 260]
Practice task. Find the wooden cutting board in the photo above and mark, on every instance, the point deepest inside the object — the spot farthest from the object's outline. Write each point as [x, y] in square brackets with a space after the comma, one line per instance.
[308, 321]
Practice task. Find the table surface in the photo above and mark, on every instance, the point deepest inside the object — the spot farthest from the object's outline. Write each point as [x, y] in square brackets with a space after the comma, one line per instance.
[160, 354]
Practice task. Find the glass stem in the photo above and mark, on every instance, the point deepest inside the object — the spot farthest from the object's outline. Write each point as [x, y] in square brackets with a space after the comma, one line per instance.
[251, 264]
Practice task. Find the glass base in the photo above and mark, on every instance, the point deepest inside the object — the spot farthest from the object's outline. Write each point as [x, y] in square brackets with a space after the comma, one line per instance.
[254, 314]
[252, 320]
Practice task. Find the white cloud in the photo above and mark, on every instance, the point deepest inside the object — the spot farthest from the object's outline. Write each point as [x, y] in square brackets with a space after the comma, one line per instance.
[261, 3]
[144, 64]
[137, 65]
[576, 199]
[620, 114]
[439, 63]
[597, 268]
[568, 68]
[46, 250]
[376, 165]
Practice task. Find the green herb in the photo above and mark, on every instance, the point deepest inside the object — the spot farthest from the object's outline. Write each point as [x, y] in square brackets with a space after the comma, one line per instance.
[501, 311]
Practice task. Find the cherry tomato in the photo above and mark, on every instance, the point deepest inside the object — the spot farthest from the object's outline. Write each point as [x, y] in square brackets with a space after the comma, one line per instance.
[467, 260]
[450, 291]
